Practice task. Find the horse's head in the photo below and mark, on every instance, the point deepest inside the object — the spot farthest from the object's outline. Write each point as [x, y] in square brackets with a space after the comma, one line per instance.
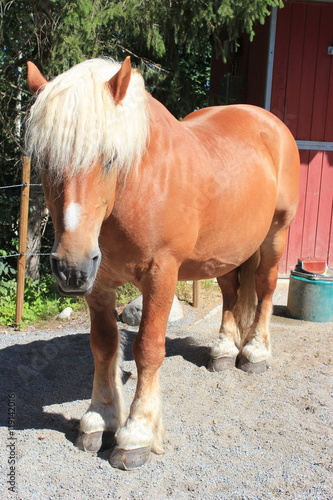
[79, 163]
[78, 207]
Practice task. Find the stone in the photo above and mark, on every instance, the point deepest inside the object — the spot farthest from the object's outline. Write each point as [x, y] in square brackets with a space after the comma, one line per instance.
[66, 313]
[132, 313]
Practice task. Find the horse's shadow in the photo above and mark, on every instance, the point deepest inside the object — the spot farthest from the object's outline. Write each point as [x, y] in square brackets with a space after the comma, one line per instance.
[60, 370]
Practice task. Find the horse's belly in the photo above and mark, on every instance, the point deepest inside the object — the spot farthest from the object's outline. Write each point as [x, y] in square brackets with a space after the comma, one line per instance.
[221, 247]
[199, 270]
[212, 259]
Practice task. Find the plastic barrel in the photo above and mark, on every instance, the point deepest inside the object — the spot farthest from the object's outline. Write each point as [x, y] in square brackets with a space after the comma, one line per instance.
[310, 300]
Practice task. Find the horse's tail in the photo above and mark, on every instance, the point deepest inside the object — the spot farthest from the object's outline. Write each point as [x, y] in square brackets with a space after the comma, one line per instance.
[245, 307]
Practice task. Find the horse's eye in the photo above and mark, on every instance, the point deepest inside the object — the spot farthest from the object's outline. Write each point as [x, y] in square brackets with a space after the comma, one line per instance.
[44, 166]
[108, 166]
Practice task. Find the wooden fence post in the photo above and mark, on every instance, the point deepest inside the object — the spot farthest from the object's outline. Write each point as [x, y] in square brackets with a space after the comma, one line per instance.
[23, 231]
[196, 293]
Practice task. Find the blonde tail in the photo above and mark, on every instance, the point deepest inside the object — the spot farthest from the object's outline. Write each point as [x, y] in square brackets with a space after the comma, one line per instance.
[245, 308]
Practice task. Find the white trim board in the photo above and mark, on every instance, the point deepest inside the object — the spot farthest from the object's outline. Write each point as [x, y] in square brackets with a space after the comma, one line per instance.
[315, 145]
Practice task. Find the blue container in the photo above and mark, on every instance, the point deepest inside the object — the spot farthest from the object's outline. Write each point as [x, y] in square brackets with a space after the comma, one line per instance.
[310, 300]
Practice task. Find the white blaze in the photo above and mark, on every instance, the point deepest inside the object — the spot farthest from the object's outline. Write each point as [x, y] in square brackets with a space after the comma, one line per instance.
[72, 216]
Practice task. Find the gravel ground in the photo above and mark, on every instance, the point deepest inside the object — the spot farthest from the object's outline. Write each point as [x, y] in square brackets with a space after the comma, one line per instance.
[229, 435]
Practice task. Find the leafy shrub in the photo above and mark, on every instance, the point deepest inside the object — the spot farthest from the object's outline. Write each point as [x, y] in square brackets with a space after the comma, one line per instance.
[126, 293]
[7, 301]
[41, 300]
[6, 270]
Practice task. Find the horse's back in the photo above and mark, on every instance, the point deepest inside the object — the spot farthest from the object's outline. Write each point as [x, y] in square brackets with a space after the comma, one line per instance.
[244, 123]
[250, 134]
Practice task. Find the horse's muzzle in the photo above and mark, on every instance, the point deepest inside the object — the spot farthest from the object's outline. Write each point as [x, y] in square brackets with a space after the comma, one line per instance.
[75, 280]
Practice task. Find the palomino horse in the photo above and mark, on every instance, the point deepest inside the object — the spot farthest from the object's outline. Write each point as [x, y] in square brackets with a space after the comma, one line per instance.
[136, 195]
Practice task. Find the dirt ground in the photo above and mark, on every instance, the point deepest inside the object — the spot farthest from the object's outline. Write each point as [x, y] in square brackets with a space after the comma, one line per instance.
[229, 435]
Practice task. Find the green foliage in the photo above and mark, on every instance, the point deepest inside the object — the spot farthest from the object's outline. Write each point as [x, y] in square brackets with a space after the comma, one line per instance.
[7, 302]
[77, 35]
[6, 269]
[41, 301]
[184, 290]
[126, 293]
[9, 209]
[241, 16]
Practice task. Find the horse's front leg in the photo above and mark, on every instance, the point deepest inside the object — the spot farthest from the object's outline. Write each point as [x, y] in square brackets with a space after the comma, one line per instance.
[106, 413]
[143, 431]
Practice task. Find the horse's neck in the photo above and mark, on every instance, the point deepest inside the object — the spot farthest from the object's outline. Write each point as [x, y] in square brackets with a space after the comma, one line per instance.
[163, 139]
[160, 117]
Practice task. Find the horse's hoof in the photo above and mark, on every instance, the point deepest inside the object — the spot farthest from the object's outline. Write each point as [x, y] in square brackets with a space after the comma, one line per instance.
[221, 364]
[250, 368]
[129, 459]
[95, 441]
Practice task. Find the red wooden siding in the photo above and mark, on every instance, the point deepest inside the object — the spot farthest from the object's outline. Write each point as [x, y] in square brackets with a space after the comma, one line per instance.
[303, 71]
[302, 96]
[311, 234]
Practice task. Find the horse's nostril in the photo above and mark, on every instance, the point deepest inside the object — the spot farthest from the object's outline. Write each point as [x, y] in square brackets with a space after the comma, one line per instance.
[53, 260]
[58, 268]
[95, 261]
[96, 258]
[62, 276]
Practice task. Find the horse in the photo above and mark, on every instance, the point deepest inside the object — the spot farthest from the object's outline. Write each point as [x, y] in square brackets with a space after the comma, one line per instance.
[136, 195]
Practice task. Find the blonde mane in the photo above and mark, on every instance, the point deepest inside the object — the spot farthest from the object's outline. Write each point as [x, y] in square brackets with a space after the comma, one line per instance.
[74, 122]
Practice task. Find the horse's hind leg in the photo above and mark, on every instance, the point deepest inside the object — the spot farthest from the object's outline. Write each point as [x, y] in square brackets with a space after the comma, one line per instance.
[105, 414]
[256, 350]
[224, 353]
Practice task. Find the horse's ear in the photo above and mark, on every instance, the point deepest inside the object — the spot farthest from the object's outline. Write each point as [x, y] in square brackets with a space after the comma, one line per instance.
[35, 77]
[120, 81]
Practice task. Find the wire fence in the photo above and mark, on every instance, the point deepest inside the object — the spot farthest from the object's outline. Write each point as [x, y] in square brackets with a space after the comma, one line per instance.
[25, 184]
[21, 254]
